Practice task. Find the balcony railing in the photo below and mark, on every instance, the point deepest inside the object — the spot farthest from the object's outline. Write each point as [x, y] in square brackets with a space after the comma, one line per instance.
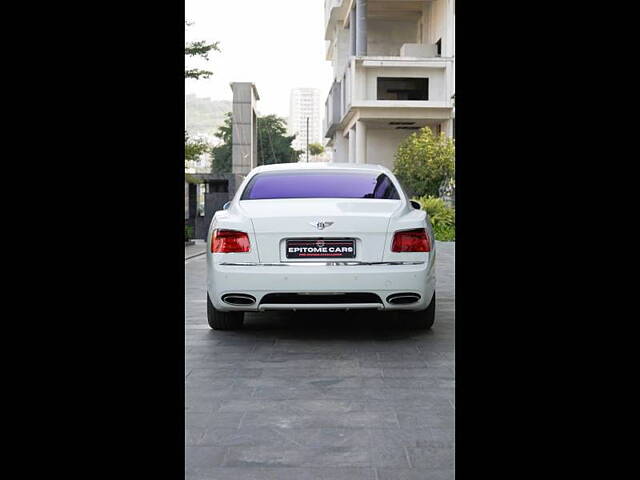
[333, 109]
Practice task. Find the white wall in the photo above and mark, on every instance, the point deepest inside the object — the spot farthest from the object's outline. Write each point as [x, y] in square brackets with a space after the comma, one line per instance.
[342, 51]
[436, 24]
[435, 75]
[382, 144]
[385, 37]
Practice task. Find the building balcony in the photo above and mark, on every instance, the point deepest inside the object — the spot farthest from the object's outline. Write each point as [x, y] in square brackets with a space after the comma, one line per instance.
[334, 11]
[390, 89]
[333, 110]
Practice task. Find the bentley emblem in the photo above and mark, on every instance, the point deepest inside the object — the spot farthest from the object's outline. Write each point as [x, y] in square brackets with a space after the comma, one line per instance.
[321, 225]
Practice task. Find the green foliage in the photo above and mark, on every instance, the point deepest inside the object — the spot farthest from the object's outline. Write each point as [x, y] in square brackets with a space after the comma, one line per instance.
[274, 145]
[193, 148]
[444, 233]
[315, 149]
[424, 162]
[221, 154]
[199, 49]
[188, 232]
[191, 179]
[442, 216]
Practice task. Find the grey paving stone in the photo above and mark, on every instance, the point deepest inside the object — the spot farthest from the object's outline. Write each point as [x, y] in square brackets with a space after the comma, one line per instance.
[427, 419]
[283, 473]
[398, 437]
[302, 396]
[203, 370]
[432, 458]
[317, 420]
[301, 392]
[204, 457]
[312, 382]
[414, 474]
[270, 365]
[419, 363]
[292, 406]
[286, 438]
[268, 456]
[422, 372]
[412, 383]
[211, 420]
[193, 435]
[440, 407]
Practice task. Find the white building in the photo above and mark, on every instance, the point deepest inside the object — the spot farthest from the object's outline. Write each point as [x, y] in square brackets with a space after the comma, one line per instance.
[393, 64]
[305, 103]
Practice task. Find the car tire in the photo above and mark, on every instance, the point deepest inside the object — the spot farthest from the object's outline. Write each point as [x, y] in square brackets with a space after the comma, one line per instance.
[219, 320]
[422, 319]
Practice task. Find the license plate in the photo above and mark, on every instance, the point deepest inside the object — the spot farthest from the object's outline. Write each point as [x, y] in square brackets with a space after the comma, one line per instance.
[321, 248]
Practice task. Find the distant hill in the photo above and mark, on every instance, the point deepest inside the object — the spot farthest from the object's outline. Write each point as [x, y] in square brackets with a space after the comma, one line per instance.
[204, 115]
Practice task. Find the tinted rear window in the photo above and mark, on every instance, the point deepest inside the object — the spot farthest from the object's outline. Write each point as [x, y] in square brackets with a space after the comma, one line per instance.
[320, 185]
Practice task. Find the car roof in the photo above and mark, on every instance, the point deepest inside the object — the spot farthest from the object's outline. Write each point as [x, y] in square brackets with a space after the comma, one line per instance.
[301, 166]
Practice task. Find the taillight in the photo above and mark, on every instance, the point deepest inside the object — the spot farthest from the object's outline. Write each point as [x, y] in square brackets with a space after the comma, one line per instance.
[411, 241]
[229, 241]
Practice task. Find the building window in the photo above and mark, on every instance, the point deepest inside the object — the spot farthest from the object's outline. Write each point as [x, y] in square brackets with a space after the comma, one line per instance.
[393, 88]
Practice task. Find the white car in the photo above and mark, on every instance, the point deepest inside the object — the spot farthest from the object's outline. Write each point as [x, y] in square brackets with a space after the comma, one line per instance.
[320, 236]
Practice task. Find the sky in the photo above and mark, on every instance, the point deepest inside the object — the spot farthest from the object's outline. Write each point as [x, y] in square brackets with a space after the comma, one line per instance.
[276, 44]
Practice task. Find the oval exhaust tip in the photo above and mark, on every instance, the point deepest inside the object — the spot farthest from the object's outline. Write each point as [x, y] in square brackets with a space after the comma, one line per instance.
[403, 298]
[238, 299]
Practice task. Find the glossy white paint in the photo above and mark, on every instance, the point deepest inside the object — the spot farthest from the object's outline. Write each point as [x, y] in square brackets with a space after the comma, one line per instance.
[371, 222]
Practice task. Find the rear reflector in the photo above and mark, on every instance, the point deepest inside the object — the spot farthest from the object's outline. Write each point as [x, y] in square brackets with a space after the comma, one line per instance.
[229, 241]
[411, 241]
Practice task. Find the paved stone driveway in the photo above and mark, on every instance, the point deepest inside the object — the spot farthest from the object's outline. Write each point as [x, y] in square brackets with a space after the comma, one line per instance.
[319, 396]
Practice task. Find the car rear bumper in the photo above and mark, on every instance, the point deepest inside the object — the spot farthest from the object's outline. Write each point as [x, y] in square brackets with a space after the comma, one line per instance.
[258, 280]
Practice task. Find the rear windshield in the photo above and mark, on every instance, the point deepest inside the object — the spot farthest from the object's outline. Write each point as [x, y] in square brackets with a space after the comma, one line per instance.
[320, 185]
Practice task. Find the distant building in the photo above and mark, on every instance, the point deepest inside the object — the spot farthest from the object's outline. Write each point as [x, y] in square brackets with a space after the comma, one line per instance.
[393, 65]
[305, 103]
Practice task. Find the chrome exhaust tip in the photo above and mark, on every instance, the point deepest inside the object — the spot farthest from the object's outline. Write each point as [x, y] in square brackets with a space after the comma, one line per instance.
[403, 298]
[238, 299]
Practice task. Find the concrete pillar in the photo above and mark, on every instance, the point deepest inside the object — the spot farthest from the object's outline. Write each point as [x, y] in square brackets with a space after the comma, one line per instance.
[244, 147]
[361, 142]
[342, 148]
[447, 128]
[186, 200]
[352, 31]
[361, 29]
[254, 139]
[352, 145]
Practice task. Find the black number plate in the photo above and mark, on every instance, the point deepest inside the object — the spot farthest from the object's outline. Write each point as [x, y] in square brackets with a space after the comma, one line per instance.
[321, 248]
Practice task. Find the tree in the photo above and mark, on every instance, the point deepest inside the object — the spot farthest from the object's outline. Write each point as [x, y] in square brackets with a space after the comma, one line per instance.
[424, 162]
[199, 49]
[193, 148]
[315, 149]
[274, 145]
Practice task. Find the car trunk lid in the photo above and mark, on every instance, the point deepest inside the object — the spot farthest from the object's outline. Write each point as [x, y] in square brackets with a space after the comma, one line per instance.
[363, 220]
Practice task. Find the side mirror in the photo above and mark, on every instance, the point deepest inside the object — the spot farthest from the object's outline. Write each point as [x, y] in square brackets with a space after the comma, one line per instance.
[415, 205]
[226, 205]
